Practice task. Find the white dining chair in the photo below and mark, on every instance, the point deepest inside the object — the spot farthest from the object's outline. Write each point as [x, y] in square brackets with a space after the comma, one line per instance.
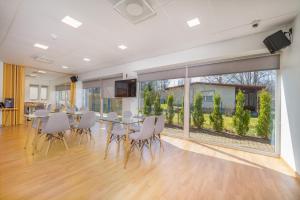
[55, 129]
[158, 129]
[87, 121]
[118, 132]
[49, 107]
[143, 137]
[38, 123]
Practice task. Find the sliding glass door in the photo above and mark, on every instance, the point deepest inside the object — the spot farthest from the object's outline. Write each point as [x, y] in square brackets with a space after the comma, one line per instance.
[91, 99]
[236, 110]
[164, 97]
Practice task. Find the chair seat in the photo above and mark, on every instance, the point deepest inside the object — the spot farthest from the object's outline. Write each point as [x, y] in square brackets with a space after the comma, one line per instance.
[135, 127]
[135, 136]
[118, 131]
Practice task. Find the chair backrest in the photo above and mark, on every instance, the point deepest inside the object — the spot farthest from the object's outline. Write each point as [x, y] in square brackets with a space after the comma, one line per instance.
[49, 107]
[87, 120]
[147, 129]
[57, 122]
[159, 125]
[112, 115]
[40, 113]
[127, 114]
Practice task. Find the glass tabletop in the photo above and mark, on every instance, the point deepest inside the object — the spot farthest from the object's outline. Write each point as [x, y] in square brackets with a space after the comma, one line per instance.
[121, 120]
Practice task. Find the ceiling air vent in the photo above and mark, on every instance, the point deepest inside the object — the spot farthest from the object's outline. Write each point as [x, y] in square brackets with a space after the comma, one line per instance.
[134, 11]
[42, 59]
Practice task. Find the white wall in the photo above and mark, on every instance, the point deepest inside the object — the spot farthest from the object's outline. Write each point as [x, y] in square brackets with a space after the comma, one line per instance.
[290, 96]
[243, 46]
[36, 81]
[1, 88]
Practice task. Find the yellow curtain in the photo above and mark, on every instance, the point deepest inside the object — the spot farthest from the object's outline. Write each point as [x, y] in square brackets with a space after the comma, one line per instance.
[73, 95]
[14, 87]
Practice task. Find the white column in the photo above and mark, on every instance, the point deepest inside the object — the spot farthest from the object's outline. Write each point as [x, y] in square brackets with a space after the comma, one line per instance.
[186, 126]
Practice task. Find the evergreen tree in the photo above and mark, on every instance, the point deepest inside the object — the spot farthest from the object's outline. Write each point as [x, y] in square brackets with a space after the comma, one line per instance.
[216, 116]
[181, 112]
[197, 113]
[157, 107]
[147, 100]
[170, 109]
[241, 118]
[264, 118]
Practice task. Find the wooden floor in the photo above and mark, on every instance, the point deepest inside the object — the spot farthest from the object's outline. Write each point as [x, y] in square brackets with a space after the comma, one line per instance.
[184, 170]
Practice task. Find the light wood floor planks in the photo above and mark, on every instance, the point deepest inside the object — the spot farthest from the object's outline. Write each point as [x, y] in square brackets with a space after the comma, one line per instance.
[183, 171]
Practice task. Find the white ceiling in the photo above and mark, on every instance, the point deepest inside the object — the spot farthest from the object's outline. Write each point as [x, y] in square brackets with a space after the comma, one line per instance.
[25, 22]
[48, 76]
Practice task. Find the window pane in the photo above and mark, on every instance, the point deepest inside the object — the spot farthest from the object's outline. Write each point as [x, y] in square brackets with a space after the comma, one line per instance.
[230, 113]
[164, 97]
[33, 92]
[44, 93]
[91, 99]
[112, 105]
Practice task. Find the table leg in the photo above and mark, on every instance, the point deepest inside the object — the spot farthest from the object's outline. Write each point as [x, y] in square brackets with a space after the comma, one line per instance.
[27, 136]
[108, 138]
[127, 148]
[35, 137]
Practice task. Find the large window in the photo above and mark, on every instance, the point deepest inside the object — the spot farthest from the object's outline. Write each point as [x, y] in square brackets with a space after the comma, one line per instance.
[44, 92]
[34, 92]
[91, 99]
[112, 105]
[234, 109]
[164, 97]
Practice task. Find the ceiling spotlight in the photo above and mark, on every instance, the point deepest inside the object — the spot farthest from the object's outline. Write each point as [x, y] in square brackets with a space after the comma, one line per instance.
[193, 22]
[71, 22]
[87, 59]
[65, 67]
[33, 75]
[123, 47]
[41, 46]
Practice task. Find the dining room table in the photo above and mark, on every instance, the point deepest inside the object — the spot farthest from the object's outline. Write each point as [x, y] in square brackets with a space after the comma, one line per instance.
[126, 122]
[39, 118]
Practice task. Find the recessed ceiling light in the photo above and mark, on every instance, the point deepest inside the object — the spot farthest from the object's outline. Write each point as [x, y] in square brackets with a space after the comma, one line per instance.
[65, 67]
[123, 47]
[193, 22]
[87, 59]
[71, 21]
[33, 75]
[41, 72]
[41, 46]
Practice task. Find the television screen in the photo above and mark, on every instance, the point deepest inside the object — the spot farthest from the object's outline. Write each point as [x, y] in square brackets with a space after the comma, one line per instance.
[125, 88]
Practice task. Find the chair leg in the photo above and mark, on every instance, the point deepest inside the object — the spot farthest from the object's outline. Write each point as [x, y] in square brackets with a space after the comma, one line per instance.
[150, 148]
[80, 138]
[49, 144]
[65, 143]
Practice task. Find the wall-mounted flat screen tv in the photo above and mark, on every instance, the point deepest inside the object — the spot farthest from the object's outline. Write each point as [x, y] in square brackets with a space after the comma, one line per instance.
[125, 88]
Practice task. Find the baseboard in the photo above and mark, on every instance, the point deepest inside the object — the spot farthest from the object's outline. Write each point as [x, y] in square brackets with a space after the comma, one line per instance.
[296, 174]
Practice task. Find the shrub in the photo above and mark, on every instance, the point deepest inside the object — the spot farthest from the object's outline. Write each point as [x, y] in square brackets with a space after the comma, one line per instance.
[170, 109]
[264, 116]
[215, 117]
[181, 112]
[197, 113]
[147, 100]
[241, 118]
[157, 107]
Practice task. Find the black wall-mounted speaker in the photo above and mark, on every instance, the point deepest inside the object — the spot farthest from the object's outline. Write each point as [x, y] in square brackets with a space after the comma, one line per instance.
[74, 79]
[276, 41]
